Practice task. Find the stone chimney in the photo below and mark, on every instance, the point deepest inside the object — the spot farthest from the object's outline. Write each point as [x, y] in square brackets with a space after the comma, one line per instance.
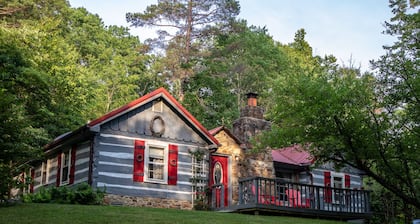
[251, 121]
[252, 109]
[252, 99]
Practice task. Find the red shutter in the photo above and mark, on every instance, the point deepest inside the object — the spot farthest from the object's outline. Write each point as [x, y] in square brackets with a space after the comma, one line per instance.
[327, 184]
[173, 165]
[31, 186]
[347, 181]
[138, 166]
[57, 183]
[72, 164]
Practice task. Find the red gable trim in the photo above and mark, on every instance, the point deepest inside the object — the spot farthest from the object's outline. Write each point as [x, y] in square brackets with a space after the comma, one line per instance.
[188, 115]
[214, 131]
[146, 98]
[128, 106]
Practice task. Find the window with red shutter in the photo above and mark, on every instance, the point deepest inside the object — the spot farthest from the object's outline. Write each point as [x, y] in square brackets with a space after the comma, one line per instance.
[138, 166]
[58, 181]
[347, 181]
[72, 164]
[31, 186]
[173, 165]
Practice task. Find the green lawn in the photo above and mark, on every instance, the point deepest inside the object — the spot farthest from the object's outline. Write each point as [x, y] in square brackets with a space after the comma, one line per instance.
[60, 213]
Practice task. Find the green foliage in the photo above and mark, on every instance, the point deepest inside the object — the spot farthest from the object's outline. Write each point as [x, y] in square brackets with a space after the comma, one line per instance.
[44, 195]
[185, 47]
[249, 60]
[366, 121]
[22, 98]
[202, 202]
[208, 99]
[241, 61]
[79, 194]
[388, 208]
[85, 195]
[54, 76]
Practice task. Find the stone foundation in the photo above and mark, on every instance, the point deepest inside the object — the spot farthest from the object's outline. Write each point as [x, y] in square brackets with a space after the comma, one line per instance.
[112, 199]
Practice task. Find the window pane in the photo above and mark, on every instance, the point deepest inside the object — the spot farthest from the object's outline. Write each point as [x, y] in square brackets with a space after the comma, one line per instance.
[156, 152]
[66, 158]
[156, 171]
[338, 182]
[156, 163]
[44, 172]
[65, 168]
[65, 174]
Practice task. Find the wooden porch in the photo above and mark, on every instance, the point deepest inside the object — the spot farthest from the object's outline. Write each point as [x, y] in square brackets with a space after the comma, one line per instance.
[263, 195]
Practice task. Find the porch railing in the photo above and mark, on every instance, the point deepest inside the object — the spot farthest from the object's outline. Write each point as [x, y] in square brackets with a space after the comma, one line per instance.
[280, 193]
[217, 196]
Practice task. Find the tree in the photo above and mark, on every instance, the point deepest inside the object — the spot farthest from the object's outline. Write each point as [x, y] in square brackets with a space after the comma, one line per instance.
[370, 122]
[193, 23]
[248, 59]
[54, 76]
[23, 97]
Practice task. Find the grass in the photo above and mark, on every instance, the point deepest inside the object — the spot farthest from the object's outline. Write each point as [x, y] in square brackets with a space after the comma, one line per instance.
[74, 214]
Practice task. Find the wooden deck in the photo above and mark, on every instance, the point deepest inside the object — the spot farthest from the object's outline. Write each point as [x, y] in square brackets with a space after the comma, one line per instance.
[263, 195]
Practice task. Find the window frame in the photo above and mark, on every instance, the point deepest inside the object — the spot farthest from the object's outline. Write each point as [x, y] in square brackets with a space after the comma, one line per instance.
[336, 190]
[165, 148]
[63, 156]
[199, 176]
[45, 172]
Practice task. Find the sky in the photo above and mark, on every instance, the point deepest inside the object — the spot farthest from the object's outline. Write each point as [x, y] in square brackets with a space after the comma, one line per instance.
[351, 30]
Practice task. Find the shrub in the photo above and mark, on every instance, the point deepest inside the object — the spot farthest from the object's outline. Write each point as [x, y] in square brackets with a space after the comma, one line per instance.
[85, 195]
[42, 196]
[79, 194]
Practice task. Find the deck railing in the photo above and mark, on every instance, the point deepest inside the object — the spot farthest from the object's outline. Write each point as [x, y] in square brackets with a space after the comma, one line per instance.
[282, 194]
[217, 196]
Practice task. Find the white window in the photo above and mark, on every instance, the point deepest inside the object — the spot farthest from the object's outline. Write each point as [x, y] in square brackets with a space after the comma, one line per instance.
[45, 172]
[155, 163]
[37, 176]
[337, 182]
[199, 177]
[65, 167]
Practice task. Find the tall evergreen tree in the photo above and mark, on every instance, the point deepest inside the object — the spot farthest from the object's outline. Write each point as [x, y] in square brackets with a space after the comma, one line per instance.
[194, 23]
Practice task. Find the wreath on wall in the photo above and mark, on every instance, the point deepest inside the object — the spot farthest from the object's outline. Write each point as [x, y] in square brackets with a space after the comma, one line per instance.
[157, 126]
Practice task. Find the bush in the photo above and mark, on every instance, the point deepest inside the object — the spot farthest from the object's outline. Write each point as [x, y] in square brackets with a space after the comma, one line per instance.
[85, 195]
[62, 195]
[42, 196]
[80, 194]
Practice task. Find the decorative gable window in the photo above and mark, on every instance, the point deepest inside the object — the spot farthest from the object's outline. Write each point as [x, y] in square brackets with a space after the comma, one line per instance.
[157, 106]
[155, 162]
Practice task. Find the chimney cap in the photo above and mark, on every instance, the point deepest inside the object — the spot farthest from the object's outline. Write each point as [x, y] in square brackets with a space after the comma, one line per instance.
[252, 95]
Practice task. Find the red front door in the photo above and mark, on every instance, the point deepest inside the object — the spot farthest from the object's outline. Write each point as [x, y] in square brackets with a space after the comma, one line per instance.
[219, 175]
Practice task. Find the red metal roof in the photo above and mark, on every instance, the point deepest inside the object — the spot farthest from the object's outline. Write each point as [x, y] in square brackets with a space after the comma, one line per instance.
[294, 155]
